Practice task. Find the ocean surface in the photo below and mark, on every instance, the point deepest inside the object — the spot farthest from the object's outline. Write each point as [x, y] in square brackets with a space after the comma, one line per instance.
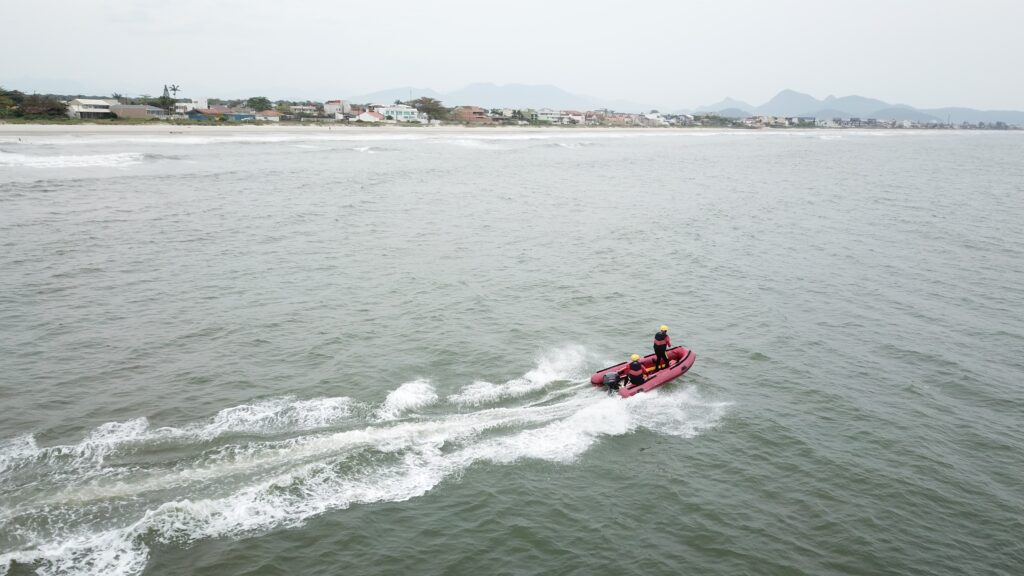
[331, 352]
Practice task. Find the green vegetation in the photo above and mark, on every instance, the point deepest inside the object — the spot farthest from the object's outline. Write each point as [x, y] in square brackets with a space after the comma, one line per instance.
[432, 107]
[259, 103]
[14, 104]
[716, 121]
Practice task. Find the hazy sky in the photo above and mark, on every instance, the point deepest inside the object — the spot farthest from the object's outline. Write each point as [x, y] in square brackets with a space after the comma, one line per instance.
[925, 53]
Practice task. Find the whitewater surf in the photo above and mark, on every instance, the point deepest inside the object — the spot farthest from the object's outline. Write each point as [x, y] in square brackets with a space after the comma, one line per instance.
[96, 506]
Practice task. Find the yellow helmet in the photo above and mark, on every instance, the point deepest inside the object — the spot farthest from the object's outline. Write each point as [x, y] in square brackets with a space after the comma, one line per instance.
[634, 357]
[664, 328]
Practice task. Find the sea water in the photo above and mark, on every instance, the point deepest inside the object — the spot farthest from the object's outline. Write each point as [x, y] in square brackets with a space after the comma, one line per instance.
[352, 352]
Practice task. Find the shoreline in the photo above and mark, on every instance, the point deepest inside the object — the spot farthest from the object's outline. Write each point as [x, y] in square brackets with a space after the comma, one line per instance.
[40, 129]
[19, 129]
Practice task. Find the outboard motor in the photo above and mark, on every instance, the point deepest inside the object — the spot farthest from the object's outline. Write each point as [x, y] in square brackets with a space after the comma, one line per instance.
[611, 380]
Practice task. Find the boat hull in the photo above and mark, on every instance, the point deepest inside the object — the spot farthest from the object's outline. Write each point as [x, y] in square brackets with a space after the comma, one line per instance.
[680, 361]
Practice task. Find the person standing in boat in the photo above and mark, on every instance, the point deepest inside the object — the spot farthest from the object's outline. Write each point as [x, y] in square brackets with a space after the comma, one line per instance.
[661, 345]
[635, 371]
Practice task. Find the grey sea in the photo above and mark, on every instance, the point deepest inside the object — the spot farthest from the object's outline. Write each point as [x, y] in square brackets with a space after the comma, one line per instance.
[368, 352]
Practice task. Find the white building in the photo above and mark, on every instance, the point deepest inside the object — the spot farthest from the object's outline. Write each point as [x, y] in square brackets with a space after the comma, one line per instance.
[90, 108]
[547, 115]
[187, 105]
[335, 107]
[370, 116]
[304, 109]
[269, 116]
[571, 117]
[654, 119]
[400, 113]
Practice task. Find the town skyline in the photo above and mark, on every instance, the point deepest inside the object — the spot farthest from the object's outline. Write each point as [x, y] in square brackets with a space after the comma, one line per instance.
[786, 103]
[667, 56]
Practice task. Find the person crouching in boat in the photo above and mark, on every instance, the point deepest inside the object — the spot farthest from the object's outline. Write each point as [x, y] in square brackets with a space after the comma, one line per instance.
[635, 371]
[661, 344]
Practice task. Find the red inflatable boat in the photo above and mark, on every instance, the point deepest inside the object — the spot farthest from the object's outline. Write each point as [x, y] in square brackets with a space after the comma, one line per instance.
[680, 360]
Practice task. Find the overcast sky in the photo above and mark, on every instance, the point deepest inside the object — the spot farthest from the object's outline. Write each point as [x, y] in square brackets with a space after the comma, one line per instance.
[926, 53]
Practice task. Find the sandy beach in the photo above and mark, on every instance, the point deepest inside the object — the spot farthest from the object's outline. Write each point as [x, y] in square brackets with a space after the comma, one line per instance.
[295, 129]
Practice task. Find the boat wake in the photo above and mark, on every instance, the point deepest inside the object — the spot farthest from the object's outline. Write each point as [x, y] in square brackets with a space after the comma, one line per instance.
[95, 507]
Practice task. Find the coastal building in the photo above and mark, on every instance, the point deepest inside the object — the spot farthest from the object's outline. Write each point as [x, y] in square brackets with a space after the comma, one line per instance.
[90, 108]
[471, 115]
[184, 106]
[654, 119]
[547, 115]
[308, 109]
[400, 113]
[138, 111]
[268, 116]
[370, 116]
[571, 117]
[335, 107]
[220, 113]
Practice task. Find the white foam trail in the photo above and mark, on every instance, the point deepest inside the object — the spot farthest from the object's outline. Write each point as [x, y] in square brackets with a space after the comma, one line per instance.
[562, 364]
[75, 161]
[17, 449]
[409, 396]
[678, 412]
[253, 486]
[560, 441]
[412, 462]
[268, 416]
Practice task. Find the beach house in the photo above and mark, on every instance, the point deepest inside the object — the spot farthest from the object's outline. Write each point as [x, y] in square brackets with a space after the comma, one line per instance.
[400, 113]
[138, 111]
[91, 108]
[336, 107]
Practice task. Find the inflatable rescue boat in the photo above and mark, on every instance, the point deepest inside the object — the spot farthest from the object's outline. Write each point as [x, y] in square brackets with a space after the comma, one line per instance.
[680, 360]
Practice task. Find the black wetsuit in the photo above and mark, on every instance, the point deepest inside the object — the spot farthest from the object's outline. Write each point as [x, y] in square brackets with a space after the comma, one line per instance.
[661, 342]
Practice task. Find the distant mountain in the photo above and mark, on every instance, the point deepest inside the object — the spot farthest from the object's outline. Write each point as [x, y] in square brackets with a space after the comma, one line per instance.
[785, 103]
[789, 103]
[855, 105]
[731, 113]
[388, 96]
[725, 104]
[792, 103]
[958, 115]
[828, 113]
[488, 95]
[902, 113]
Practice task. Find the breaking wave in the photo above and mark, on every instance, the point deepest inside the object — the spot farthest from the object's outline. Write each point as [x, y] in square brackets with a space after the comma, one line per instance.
[230, 477]
[73, 161]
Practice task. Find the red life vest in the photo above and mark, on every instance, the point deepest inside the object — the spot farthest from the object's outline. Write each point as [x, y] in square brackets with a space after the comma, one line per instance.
[635, 369]
[662, 339]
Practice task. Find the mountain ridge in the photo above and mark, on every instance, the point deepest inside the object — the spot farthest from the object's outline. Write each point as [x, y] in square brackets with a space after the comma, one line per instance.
[786, 102]
[491, 95]
[792, 103]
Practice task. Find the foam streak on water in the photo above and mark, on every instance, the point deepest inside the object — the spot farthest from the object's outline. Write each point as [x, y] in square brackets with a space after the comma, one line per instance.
[395, 456]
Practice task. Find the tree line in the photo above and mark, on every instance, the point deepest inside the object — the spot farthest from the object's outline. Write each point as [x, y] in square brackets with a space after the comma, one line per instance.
[17, 104]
